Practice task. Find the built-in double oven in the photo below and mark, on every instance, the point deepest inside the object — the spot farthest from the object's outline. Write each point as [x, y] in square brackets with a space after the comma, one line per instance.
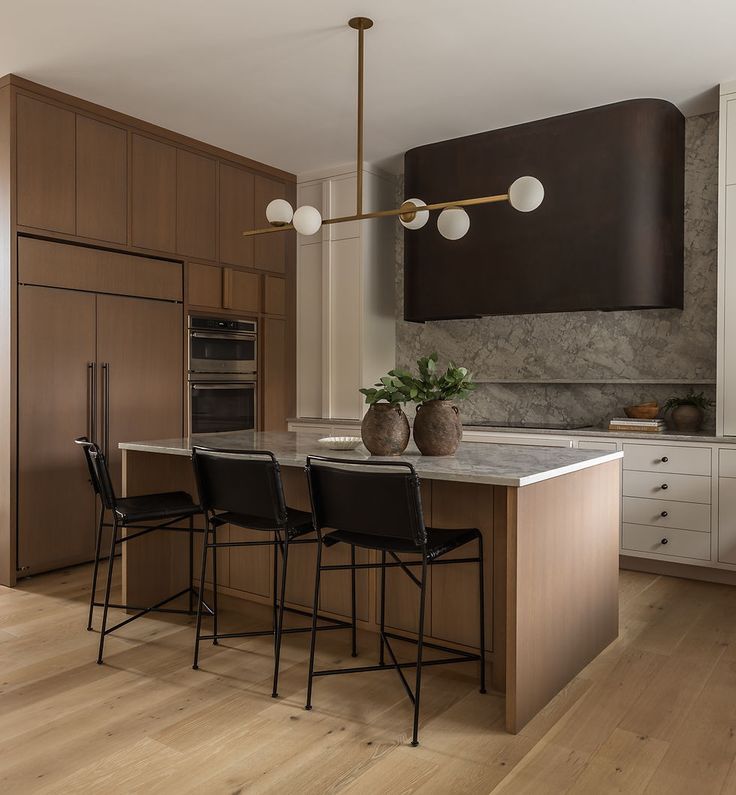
[223, 375]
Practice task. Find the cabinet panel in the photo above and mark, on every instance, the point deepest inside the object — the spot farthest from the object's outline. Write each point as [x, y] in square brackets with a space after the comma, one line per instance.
[275, 296]
[276, 382]
[56, 345]
[241, 290]
[342, 202]
[727, 520]
[731, 142]
[102, 181]
[80, 268]
[45, 158]
[196, 205]
[597, 445]
[153, 194]
[204, 285]
[309, 331]
[141, 343]
[269, 250]
[236, 215]
[729, 301]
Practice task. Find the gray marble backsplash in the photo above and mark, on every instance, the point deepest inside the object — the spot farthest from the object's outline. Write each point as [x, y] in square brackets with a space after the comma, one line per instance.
[648, 347]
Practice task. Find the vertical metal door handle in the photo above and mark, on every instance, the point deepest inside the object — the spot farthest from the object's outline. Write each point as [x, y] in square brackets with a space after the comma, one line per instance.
[90, 402]
[106, 407]
[93, 435]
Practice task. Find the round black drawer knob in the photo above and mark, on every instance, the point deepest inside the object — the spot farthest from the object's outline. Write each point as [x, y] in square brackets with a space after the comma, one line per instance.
[665, 541]
[665, 486]
[663, 514]
[665, 459]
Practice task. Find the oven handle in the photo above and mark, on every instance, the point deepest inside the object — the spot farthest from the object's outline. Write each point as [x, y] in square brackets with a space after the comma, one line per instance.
[225, 386]
[223, 335]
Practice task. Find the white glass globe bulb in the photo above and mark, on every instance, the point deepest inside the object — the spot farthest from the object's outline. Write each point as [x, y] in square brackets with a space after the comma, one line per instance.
[307, 220]
[420, 218]
[453, 223]
[526, 194]
[279, 212]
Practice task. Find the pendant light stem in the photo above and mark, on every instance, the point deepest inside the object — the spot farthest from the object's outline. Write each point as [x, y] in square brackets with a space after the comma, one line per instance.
[359, 156]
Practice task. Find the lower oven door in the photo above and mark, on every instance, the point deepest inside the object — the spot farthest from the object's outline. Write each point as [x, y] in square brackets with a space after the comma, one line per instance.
[220, 407]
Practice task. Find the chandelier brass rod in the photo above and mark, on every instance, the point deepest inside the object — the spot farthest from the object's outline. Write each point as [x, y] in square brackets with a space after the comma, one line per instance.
[499, 197]
[359, 155]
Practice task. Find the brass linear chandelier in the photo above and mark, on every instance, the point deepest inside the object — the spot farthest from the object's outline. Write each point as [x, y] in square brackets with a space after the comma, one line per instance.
[525, 193]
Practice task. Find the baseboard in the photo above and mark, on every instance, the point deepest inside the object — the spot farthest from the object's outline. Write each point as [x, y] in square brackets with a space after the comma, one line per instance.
[684, 570]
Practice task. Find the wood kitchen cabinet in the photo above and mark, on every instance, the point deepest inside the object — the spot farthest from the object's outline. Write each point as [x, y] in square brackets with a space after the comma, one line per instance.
[196, 205]
[56, 354]
[269, 250]
[241, 290]
[153, 194]
[102, 180]
[274, 295]
[275, 377]
[45, 165]
[204, 285]
[236, 215]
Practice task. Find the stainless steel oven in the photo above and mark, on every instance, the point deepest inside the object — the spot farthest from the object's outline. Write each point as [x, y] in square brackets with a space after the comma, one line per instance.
[218, 406]
[220, 348]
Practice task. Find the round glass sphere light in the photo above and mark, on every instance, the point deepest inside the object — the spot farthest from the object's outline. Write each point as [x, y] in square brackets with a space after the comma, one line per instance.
[453, 223]
[420, 217]
[279, 212]
[526, 194]
[307, 220]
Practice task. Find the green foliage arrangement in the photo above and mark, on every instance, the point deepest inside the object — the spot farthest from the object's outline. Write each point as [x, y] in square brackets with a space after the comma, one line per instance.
[400, 386]
[692, 398]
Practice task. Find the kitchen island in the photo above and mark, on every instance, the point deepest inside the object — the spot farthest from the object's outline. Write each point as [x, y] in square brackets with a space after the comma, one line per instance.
[549, 518]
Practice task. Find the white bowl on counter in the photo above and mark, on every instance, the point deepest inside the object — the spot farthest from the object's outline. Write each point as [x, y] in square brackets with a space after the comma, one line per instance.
[340, 442]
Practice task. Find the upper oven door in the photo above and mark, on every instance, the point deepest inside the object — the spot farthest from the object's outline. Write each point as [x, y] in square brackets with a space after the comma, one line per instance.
[222, 352]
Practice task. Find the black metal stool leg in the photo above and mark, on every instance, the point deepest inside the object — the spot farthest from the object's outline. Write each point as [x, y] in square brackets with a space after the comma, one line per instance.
[313, 639]
[420, 646]
[200, 599]
[108, 587]
[280, 621]
[382, 656]
[353, 600]
[98, 545]
[191, 565]
[482, 617]
[215, 609]
[275, 588]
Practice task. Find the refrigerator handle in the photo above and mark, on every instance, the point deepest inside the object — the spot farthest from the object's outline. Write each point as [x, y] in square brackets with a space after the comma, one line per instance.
[106, 407]
[91, 401]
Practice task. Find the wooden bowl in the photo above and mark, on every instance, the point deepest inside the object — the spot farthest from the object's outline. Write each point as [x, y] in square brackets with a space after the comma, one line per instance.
[643, 411]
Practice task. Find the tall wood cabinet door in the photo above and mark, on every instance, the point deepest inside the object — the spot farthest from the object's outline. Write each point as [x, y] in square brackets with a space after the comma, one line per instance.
[140, 356]
[196, 205]
[241, 290]
[45, 158]
[56, 349]
[276, 381]
[269, 250]
[236, 215]
[102, 181]
[153, 194]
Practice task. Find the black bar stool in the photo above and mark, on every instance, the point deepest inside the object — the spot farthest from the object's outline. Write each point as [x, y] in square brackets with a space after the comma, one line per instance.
[245, 489]
[165, 510]
[376, 505]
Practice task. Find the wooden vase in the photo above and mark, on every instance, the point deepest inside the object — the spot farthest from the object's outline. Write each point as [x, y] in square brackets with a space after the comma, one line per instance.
[687, 418]
[437, 428]
[385, 430]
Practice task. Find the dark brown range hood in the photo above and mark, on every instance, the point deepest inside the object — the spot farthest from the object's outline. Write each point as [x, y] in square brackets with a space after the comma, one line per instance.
[608, 236]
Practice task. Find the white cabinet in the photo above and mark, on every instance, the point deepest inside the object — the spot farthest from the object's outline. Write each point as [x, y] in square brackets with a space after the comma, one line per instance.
[345, 296]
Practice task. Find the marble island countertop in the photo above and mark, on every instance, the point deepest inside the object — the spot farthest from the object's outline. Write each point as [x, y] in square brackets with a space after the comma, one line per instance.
[495, 464]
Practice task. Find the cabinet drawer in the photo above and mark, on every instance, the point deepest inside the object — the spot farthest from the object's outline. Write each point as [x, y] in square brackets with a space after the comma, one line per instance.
[681, 488]
[675, 543]
[663, 513]
[667, 458]
[595, 444]
[727, 463]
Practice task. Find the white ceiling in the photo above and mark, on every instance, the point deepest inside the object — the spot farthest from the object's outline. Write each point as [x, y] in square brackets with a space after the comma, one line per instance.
[276, 80]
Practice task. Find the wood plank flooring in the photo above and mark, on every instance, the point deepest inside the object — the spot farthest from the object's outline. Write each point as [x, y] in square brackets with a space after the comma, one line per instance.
[655, 713]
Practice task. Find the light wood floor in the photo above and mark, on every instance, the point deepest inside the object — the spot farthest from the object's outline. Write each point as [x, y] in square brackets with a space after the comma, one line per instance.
[655, 713]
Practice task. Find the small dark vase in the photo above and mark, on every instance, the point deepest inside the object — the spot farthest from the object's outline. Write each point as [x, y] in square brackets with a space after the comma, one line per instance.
[687, 418]
[385, 430]
[437, 428]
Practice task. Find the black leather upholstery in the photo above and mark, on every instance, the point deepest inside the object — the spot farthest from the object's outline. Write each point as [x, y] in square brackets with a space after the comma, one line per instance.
[298, 523]
[155, 507]
[439, 542]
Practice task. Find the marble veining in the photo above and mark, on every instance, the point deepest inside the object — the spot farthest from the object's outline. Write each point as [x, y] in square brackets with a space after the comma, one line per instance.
[495, 464]
[644, 345]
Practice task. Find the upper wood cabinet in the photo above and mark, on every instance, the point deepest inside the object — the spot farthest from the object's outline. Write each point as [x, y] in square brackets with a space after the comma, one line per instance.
[204, 285]
[241, 290]
[274, 295]
[236, 215]
[153, 194]
[269, 250]
[196, 205]
[102, 180]
[45, 162]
